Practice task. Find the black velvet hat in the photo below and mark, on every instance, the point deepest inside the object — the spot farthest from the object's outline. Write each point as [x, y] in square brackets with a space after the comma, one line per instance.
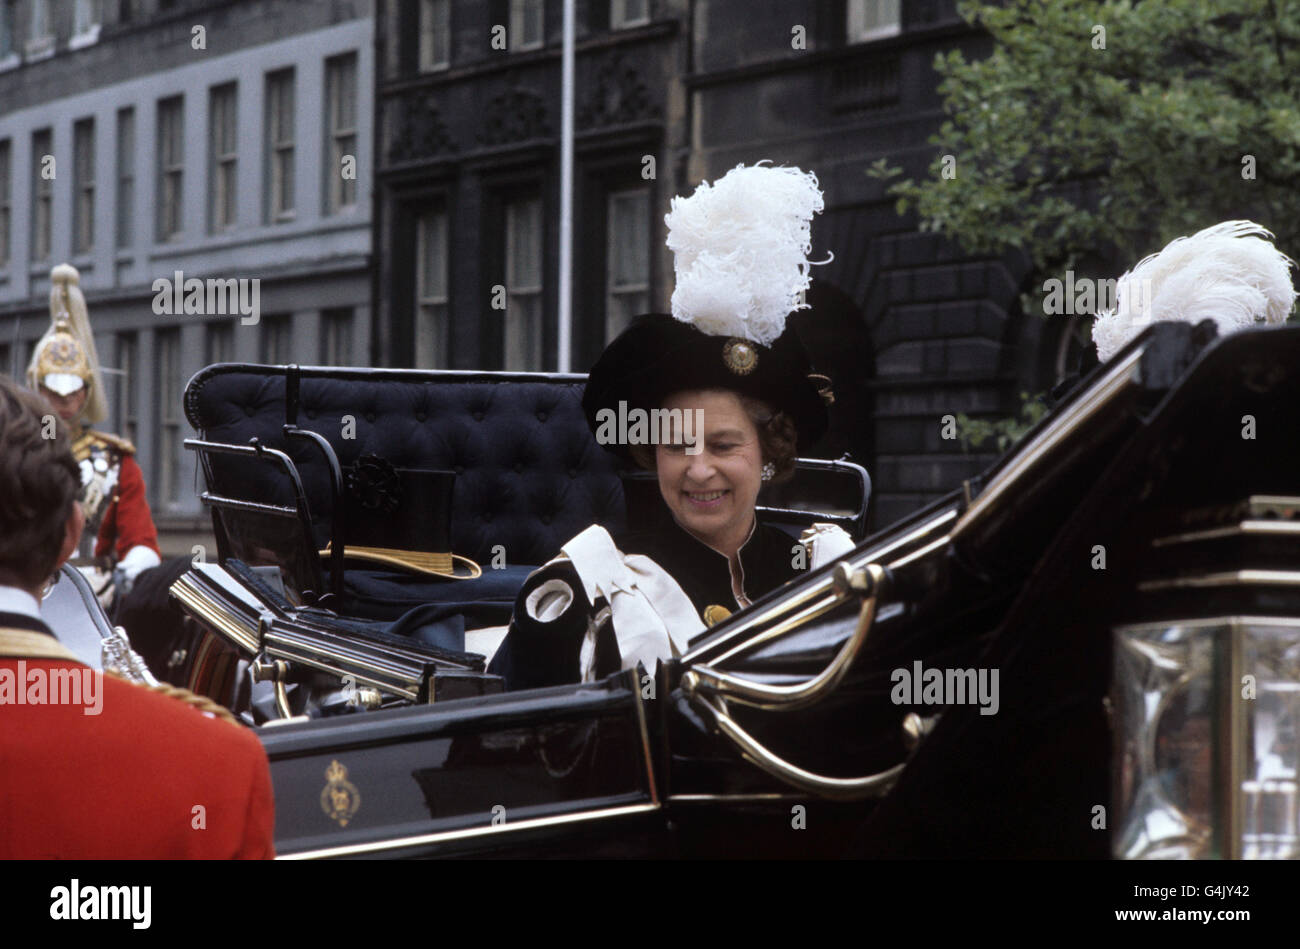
[740, 257]
[658, 355]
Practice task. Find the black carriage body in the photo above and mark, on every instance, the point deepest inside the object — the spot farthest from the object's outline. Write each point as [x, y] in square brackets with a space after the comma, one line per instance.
[1002, 575]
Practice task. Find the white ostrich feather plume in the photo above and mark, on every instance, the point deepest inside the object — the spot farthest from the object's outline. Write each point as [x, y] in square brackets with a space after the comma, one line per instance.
[741, 250]
[1229, 273]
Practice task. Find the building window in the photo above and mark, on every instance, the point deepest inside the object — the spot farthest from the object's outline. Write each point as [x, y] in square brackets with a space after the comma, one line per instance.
[525, 24]
[523, 334]
[625, 13]
[85, 17]
[8, 46]
[85, 23]
[432, 332]
[168, 360]
[83, 171]
[127, 365]
[40, 37]
[275, 339]
[873, 19]
[222, 158]
[279, 146]
[341, 132]
[336, 337]
[627, 267]
[435, 34]
[125, 176]
[42, 195]
[125, 11]
[171, 168]
[6, 200]
[220, 343]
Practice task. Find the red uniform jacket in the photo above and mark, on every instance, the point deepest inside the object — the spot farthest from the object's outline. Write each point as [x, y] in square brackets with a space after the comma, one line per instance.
[127, 521]
[147, 777]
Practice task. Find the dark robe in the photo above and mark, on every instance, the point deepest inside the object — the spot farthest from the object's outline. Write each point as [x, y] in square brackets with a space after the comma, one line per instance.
[536, 654]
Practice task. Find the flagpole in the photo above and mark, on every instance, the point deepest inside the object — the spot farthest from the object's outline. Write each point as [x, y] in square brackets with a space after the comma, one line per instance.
[565, 335]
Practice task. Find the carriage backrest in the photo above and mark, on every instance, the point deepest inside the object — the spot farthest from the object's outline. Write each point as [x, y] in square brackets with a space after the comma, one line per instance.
[529, 473]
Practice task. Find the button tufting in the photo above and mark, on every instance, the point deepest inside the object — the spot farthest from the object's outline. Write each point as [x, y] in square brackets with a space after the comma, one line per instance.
[459, 469]
[573, 472]
[541, 416]
[546, 518]
[311, 413]
[519, 467]
[370, 416]
[478, 416]
[420, 416]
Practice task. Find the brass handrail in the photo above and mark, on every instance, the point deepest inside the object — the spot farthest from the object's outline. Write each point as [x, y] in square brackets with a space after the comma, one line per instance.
[868, 583]
[836, 789]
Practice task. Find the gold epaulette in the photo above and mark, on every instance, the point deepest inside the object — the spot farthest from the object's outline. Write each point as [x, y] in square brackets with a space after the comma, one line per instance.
[90, 437]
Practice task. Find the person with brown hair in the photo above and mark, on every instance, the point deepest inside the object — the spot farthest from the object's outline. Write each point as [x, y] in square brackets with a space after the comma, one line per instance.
[93, 766]
[716, 398]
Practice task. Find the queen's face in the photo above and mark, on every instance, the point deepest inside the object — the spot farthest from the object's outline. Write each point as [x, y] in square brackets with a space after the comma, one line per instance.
[712, 493]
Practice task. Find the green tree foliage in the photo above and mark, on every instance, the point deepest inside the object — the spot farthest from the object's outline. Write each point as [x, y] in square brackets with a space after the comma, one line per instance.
[1004, 432]
[1101, 129]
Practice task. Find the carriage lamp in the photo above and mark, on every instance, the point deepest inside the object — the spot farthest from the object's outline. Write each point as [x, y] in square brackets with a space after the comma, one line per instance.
[1207, 739]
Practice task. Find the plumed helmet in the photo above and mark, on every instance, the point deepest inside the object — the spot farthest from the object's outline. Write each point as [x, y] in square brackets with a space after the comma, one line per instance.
[65, 359]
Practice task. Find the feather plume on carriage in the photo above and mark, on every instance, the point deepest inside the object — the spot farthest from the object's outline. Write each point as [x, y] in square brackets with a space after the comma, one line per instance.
[1229, 273]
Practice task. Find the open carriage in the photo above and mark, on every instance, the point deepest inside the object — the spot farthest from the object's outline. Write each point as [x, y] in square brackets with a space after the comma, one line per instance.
[1047, 662]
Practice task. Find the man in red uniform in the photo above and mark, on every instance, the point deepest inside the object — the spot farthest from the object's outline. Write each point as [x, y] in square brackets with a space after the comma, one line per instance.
[120, 532]
[93, 766]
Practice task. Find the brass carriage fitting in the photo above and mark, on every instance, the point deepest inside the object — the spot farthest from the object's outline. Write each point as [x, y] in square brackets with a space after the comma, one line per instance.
[862, 581]
[265, 670]
[915, 728]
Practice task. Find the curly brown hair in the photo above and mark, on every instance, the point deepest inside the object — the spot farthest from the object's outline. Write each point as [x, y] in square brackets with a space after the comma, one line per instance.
[776, 437]
[39, 483]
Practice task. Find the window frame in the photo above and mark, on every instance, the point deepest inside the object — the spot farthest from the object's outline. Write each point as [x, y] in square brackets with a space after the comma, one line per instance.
[860, 7]
[340, 193]
[124, 225]
[42, 198]
[518, 19]
[426, 54]
[223, 166]
[619, 20]
[280, 155]
[439, 357]
[83, 186]
[6, 201]
[646, 194]
[171, 174]
[533, 293]
[169, 391]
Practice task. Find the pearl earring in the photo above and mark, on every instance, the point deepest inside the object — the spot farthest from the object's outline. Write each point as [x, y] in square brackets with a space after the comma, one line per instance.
[768, 471]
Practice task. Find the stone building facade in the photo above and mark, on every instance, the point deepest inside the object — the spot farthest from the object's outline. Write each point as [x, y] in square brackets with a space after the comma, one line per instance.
[205, 138]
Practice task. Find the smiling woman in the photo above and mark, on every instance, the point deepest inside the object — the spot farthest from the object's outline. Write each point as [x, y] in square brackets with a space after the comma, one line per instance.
[724, 361]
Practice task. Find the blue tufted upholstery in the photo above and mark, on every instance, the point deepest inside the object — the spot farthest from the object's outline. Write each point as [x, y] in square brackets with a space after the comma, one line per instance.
[529, 473]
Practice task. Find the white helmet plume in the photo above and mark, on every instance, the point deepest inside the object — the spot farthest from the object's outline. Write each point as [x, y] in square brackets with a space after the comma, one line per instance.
[741, 251]
[1228, 273]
